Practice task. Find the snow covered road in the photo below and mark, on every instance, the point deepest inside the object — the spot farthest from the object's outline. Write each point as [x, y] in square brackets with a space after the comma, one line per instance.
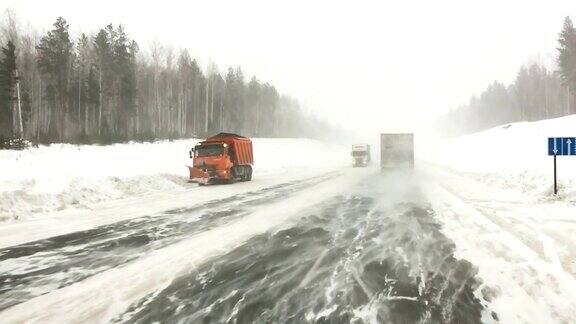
[91, 298]
[355, 257]
[351, 244]
[342, 245]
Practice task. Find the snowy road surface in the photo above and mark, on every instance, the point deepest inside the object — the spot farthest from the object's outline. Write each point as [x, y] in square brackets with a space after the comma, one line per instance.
[348, 245]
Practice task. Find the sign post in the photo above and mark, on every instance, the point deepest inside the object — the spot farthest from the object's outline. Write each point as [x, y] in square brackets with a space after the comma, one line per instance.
[555, 181]
[560, 146]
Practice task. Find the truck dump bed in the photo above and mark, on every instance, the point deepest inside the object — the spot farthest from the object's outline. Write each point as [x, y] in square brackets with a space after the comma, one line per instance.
[240, 147]
[396, 151]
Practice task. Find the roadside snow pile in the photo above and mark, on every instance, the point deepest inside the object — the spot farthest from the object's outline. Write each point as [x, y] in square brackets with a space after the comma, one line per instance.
[510, 156]
[60, 176]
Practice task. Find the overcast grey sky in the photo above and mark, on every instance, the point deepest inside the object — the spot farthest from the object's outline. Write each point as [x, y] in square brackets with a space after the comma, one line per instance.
[367, 64]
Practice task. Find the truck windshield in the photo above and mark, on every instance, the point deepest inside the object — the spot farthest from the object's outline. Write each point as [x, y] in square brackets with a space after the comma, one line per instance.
[358, 153]
[209, 150]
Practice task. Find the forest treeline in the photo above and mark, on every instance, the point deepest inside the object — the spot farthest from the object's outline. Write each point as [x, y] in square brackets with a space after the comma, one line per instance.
[102, 88]
[537, 93]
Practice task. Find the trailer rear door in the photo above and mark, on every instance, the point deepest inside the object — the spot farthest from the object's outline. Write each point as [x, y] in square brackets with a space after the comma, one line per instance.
[396, 151]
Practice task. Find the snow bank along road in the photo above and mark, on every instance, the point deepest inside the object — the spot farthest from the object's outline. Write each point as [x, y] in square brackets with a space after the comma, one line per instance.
[349, 245]
[71, 177]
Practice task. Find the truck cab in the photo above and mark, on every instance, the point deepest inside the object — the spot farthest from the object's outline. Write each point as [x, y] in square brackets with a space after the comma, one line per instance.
[360, 155]
[222, 158]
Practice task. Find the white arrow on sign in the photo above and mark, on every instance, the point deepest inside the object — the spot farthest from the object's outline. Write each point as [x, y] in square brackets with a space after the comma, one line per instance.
[555, 150]
[569, 142]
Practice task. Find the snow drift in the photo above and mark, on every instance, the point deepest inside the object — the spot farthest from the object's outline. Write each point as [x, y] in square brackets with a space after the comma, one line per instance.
[510, 156]
[62, 176]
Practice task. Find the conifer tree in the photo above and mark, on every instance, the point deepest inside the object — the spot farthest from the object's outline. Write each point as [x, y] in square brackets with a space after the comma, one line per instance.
[54, 56]
[7, 89]
[567, 60]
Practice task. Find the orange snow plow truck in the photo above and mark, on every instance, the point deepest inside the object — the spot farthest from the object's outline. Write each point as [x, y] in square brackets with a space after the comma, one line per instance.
[222, 158]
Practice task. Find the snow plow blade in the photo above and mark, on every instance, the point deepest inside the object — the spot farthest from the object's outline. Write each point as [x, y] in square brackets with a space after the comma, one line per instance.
[198, 176]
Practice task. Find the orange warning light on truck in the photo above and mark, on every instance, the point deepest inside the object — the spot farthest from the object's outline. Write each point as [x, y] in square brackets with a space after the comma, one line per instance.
[222, 158]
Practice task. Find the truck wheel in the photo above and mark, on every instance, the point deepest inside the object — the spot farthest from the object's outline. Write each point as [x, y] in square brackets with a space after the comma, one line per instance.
[248, 175]
[233, 175]
[241, 173]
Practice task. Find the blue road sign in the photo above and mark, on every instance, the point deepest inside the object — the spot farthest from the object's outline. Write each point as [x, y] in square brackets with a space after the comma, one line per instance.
[561, 146]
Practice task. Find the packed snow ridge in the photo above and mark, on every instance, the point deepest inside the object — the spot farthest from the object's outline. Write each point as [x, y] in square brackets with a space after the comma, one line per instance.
[512, 156]
[41, 180]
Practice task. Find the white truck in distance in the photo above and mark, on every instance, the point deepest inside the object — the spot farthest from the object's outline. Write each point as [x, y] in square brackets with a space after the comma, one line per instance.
[396, 151]
[360, 155]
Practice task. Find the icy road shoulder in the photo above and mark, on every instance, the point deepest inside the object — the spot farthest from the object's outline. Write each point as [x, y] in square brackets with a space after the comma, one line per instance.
[524, 250]
[47, 225]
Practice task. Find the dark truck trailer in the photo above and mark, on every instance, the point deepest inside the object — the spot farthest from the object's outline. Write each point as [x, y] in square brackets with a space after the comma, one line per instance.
[396, 151]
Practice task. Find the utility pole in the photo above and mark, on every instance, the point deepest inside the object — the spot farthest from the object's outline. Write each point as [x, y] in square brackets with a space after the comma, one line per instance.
[568, 100]
[211, 102]
[206, 112]
[20, 126]
[100, 97]
[546, 110]
[79, 95]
